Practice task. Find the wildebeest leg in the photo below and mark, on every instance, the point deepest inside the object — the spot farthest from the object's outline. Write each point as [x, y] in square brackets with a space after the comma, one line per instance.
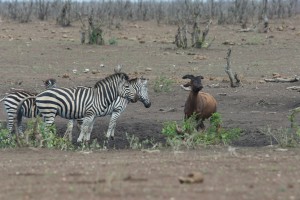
[200, 125]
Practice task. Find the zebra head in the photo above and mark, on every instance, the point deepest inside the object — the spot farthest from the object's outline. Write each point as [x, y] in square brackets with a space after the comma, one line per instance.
[50, 83]
[140, 86]
[125, 89]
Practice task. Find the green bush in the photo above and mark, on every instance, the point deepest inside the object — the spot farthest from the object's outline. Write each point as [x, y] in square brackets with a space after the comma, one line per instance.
[112, 41]
[48, 137]
[6, 140]
[189, 137]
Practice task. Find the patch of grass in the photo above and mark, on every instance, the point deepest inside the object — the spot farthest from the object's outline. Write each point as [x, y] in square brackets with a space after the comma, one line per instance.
[6, 140]
[136, 143]
[47, 137]
[255, 40]
[162, 84]
[188, 137]
[112, 41]
[285, 137]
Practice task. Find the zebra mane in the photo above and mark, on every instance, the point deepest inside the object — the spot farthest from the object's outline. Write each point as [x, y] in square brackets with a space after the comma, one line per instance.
[112, 77]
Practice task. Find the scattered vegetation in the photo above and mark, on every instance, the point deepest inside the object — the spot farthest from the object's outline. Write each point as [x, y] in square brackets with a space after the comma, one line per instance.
[163, 84]
[35, 136]
[136, 143]
[6, 140]
[285, 137]
[188, 137]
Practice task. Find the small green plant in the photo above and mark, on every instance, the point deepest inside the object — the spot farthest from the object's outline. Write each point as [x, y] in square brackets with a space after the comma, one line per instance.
[6, 140]
[46, 136]
[112, 41]
[162, 84]
[136, 143]
[96, 36]
[285, 137]
[189, 137]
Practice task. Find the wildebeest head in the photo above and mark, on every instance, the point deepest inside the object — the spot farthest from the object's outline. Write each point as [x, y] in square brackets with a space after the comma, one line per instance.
[195, 82]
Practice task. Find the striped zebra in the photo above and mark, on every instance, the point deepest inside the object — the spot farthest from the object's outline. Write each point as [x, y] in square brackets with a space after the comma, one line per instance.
[13, 99]
[117, 107]
[84, 103]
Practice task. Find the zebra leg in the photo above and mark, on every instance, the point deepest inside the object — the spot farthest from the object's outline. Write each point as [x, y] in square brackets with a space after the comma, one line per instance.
[90, 129]
[85, 126]
[19, 122]
[112, 125]
[10, 119]
[68, 132]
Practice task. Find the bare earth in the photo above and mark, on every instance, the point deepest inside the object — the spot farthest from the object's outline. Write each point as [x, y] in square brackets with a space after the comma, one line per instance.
[36, 51]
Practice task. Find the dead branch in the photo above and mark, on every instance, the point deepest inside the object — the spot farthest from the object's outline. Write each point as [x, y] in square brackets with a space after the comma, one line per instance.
[181, 37]
[297, 88]
[282, 80]
[229, 71]
[246, 30]
[83, 29]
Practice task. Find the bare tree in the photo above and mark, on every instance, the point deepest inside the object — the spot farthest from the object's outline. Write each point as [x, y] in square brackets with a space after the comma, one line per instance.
[64, 19]
[43, 8]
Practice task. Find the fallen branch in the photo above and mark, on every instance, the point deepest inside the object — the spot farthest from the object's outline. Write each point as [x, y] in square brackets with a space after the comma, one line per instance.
[282, 80]
[246, 30]
[230, 73]
[294, 88]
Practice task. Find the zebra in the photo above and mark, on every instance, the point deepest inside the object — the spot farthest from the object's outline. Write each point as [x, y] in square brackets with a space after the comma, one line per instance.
[13, 99]
[84, 103]
[117, 107]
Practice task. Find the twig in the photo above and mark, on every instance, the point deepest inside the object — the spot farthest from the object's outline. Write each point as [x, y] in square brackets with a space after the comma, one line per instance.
[229, 71]
[282, 80]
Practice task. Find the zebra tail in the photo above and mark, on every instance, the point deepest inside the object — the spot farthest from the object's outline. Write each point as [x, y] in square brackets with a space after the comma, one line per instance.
[19, 111]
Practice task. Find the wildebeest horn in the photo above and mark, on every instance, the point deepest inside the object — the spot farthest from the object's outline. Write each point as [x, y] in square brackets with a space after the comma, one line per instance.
[188, 77]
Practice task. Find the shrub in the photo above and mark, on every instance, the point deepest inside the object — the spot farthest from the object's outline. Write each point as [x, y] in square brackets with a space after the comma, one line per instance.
[190, 138]
[6, 140]
[112, 41]
[285, 137]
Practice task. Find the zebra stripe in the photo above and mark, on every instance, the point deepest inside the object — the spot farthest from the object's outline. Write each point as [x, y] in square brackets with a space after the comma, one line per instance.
[13, 99]
[84, 102]
[117, 107]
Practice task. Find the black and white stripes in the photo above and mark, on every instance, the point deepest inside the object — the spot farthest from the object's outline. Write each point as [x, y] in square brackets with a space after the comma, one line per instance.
[13, 99]
[84, 103]
[118, 106]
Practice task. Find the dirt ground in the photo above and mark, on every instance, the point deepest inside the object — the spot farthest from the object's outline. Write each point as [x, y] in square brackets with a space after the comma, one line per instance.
[36, 51]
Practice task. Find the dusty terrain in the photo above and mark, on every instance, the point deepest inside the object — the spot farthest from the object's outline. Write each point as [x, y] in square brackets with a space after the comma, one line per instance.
[36, 51]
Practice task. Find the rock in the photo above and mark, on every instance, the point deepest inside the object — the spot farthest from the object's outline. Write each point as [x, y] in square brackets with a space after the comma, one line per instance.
[65, 36]
[194, 177]
[148, 69]
[66, 76]
[199, 57]
[228, 43]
